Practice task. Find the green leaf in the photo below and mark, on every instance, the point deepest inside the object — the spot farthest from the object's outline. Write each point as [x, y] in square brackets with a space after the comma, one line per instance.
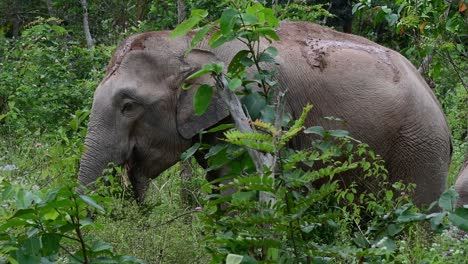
[272, 51]
[460, 218]
[448, 199]
[91, 203]
[267, 32]
[227, 21]
[338, 133]
[265, 57]
[409, 216]
[207, 68]
[25, 213]
[24, 199]
[13, 223]
[236, 66]
[234, 259]
[386, 243]
[221, 40]
[101, 246]
[220, 128]
[183, 28]
[394, 229]
[50, 243]
[360, 240]
[318, 130]
[202, 98]
[234, 84]
[30, 251]
[200, 35]
[189, 152]
[254, 103]
[436, 220]
[270, 17]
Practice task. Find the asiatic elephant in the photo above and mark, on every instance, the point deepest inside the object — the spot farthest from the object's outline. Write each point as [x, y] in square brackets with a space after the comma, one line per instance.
[142, 118]
[461, 185]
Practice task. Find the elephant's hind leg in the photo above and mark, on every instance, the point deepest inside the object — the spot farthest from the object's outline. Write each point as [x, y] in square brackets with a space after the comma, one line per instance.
[424, 161]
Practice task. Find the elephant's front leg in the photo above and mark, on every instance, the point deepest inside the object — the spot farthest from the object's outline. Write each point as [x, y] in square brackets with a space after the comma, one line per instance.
[139, 185]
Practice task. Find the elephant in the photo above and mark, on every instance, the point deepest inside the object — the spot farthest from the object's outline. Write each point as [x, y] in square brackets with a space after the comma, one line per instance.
[461, 185]
[143, 119]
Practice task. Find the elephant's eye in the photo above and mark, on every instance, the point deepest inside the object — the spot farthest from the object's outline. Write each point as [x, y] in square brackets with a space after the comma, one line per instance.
[128, 107]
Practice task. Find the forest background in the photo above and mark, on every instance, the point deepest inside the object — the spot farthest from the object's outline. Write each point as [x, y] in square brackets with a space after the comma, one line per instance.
[53, 53]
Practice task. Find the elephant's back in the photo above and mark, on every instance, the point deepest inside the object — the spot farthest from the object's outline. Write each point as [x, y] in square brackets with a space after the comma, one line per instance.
[377, 92]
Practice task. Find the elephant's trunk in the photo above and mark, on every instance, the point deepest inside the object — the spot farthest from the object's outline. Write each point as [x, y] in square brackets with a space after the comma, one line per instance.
[99, 152]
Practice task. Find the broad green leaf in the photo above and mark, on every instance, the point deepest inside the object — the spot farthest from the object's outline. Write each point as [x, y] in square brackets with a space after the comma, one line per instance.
[227, 20]
[448, 199]
[91, 203]
[270, 17]
[272, 51]
[30, 251]
[207, 68]
[318, 130]
[13, 223]
[254, 104]
[234, 259]
[214, 37]
[265, 57]
[189, 152]
[267, 32]
[220, 128]
[234, 84]
[236, 66]
[201, 33]
[24, 199]
[221, 40]
[394, 229]
[183, 28]
[202, 98]
[50, 243]
[254, 9]
[409, 216]
[386, 243]
[436, 220]
[101, 246]
[249, 19]
[25, 213]
[338, 133]
[360, 240]
[460, 218]
[51, 214]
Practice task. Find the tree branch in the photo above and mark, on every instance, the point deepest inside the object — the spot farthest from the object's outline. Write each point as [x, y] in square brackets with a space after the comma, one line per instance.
[89, 39]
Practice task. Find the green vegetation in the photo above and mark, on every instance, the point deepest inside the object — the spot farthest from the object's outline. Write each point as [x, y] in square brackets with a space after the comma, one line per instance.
[47, 79]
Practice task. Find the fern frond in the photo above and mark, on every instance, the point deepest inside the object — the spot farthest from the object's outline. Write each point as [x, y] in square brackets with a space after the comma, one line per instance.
[297, 127]
[263, 125]
[259, 141]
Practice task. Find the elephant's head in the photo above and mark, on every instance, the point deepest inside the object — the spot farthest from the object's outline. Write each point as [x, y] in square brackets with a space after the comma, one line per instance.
[141, 117]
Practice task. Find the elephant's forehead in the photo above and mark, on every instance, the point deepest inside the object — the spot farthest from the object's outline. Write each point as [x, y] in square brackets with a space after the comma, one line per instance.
[126, 84]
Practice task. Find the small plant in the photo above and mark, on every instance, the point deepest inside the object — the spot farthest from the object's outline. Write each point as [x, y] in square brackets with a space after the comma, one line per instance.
[269, 208]
[51, 225]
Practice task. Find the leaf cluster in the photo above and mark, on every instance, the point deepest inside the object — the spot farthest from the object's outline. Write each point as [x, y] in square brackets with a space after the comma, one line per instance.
[43, 226]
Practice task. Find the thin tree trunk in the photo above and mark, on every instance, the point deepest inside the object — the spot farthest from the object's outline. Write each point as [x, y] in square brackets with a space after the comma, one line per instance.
[187, 172]
[89, 39]
[50, 8]
[16, 19]
[181, 11]
[426, 62]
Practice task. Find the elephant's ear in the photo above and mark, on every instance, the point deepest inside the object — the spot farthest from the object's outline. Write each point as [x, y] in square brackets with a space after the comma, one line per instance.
[188, 123]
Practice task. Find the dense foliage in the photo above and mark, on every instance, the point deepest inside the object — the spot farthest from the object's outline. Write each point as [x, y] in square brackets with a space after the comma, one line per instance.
[47, 79]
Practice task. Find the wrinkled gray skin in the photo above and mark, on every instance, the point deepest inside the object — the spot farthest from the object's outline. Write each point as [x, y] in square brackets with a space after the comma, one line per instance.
[461, 185]
[142, 118]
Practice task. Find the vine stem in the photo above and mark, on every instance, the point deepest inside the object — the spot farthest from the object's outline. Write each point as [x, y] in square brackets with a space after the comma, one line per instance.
[78, 231]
